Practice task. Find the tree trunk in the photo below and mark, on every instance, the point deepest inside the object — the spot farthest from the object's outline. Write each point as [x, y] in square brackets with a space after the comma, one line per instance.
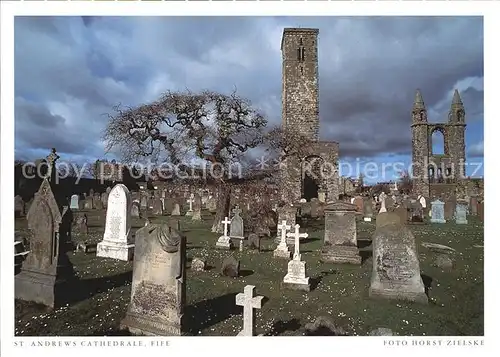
[223, 203]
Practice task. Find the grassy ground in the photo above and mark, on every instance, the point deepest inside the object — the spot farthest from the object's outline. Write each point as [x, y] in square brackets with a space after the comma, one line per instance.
[340, 291]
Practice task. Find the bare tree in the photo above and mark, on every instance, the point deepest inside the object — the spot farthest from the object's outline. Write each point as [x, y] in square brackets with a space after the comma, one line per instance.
[405, 182]
[210, 126]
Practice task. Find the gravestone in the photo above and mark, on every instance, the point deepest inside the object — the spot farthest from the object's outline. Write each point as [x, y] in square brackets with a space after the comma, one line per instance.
[437, 212]
[295, 278]
[250, 302]
[254, 241]
[316, 208]
[416, 212]
[117, 242]
[89, 202]
[157, 207]
[473, 206]
[236, 230]
[74, 202]
[322, 196]
[281, 250]
[358, 202]
[230, 267]
[396, 268]
[389, 203]
[480, 211]
[461, 212]
[135, 210]
[224, 242]
[158, 293]
[449, 208]
[197, 206]
[97, 202]
[286, 213]
[19, 206]
[340, 242]
[367, 210]
[80, 224]
[47, 272]
[144, 201]
[176, 211]
[198, 264]
[104, 198]
[190, 201]
[212, 204]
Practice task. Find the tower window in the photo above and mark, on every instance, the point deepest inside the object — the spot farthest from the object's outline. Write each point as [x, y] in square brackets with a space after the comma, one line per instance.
[300, 42]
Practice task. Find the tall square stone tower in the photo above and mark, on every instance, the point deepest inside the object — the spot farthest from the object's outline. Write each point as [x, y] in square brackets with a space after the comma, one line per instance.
[300, 88]
[317, 169]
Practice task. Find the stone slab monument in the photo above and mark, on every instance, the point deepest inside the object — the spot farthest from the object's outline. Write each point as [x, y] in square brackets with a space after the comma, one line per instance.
[118, 242]
[396, 268]
[340, 242]
[158, 294]
[47, 271]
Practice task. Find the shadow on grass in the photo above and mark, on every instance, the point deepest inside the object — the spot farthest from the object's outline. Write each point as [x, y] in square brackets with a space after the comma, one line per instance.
[245, 273]
[82, 289]
[308, 240]
[207, 313]
[427, 280]
[279, 327]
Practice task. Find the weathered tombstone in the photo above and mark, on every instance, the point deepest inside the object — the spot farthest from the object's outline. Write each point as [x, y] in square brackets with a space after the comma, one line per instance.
[158, 293]
[416, 212]
[230, 267]
[254, 241]
[473, 204]
[197, 206]
[89, 202]
[117, 242]
[177, 210]
[461, 212]
[358, 202]
[74, 202]
[190, 201]
[480, 211]
[212, 204]
[236, 230]
[198, 264]
[157, 207]
[382, 199]
[144, 201]
[249, 301]
[224, 242]
[296, 276]
[396, 268]
[322, 196]
[437, 212]
[367, 210]
[97, 202]
[449, 208]
[389, 204]
[80, 224]
[19, 206]
[104, 198]
[135, 210]
[47, 270]
[316, 208]
[340, 243]
[281, 250]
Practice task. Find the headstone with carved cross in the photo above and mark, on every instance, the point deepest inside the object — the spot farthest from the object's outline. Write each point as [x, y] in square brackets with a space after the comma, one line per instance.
[296, 277]
[224, 242]
[249, 303]
[281, 250]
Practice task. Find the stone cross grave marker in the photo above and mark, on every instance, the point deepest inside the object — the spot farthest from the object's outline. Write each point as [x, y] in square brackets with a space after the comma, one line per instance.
[296, 275]
[281, 250]
[224, 242]
[297, 235]
[249, 303]
[190, 201]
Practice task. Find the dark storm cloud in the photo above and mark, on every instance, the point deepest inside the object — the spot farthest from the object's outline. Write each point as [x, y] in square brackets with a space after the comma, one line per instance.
[78, 68]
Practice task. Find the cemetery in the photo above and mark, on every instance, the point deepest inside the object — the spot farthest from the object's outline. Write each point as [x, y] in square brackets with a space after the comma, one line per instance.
[282, 252]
